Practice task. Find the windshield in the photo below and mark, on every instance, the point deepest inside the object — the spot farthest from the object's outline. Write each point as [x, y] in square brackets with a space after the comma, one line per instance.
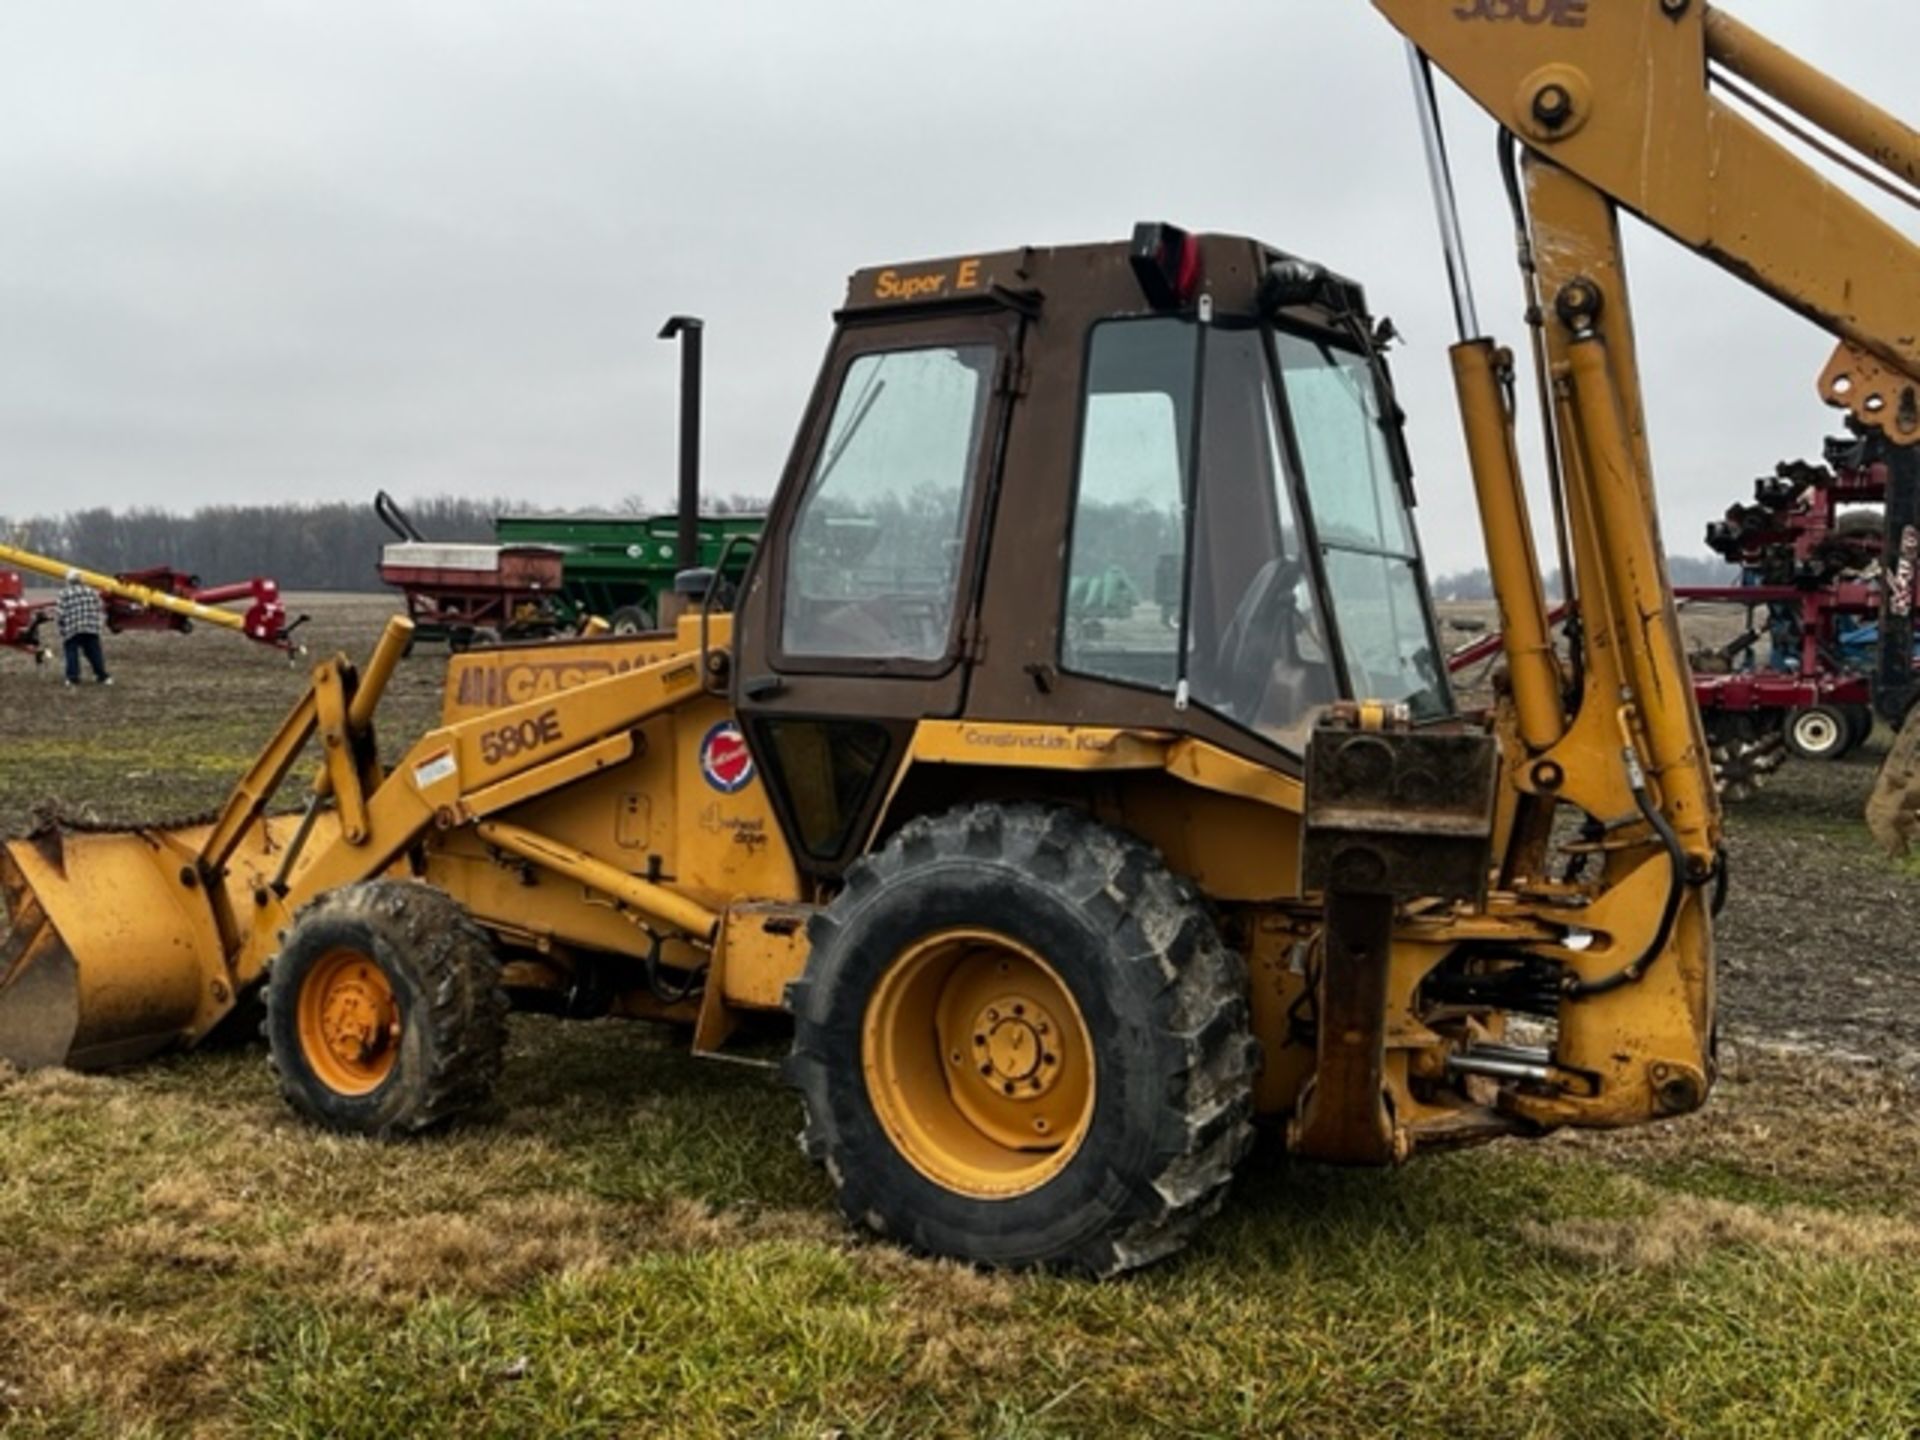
[1371, 559]
[873, 570]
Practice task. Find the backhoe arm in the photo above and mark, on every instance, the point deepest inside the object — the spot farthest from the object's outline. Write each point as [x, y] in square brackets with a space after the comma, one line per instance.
[1619, 94]
[1630, 99]
[1609, 106]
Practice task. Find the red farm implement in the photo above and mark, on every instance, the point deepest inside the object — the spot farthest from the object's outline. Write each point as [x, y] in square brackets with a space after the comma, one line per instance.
[159, 598]
[473, 594]
[1801, 676]
[21, 618]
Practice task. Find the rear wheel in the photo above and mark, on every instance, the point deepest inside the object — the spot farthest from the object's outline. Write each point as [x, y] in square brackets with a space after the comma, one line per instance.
[1021, 1041]
[385, 1014]
[630, 620]
[1819, 732]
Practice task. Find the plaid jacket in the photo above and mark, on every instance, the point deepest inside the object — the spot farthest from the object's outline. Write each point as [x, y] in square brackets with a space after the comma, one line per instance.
[80, 612]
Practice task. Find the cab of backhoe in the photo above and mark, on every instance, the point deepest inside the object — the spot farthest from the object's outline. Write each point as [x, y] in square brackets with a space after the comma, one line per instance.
[1156, 485]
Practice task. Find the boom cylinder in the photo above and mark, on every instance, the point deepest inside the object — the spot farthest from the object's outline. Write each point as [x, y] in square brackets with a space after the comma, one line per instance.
[1637, 581]
[1531, 665]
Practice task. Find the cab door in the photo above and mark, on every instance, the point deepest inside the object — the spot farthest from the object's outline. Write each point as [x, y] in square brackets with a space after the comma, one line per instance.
[858, 617]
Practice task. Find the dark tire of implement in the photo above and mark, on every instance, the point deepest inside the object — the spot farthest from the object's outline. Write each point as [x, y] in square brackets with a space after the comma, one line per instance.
[445, 981]
[1819, 732]
[1165, 1008]
[1860, 723]
[630, 620]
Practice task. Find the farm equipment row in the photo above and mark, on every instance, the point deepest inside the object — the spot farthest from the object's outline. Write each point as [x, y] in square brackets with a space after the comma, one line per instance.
[1800, 677]
[159, 598]
[544, 575]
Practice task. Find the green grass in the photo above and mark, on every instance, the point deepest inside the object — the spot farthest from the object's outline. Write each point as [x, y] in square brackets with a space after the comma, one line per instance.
[633, 1245]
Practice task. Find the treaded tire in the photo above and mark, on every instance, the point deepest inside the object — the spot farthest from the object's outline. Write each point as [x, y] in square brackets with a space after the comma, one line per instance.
[1860, 725]
[630, 620]
[446, 982]
[1163, 999]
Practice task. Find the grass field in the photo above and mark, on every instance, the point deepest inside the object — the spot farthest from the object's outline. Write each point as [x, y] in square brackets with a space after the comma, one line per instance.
[632, 1244]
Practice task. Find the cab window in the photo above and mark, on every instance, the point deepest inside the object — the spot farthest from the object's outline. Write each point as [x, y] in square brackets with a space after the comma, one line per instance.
[873, 568]
[1257, 651]
[1371, 560]
[1125, 569]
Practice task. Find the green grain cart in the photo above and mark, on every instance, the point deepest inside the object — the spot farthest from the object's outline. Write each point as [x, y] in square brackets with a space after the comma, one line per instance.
[619, 566]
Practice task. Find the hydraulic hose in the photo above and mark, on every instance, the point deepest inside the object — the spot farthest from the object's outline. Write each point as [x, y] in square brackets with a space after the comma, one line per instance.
[1573, 987]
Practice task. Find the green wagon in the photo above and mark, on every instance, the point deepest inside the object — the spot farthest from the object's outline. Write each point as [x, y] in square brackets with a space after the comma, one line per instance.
[619, 566]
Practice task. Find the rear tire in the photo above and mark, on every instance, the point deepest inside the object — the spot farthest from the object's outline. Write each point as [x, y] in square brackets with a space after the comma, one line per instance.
[1107, 950]
[630, 620]
[385, 1014]
[1819, 732]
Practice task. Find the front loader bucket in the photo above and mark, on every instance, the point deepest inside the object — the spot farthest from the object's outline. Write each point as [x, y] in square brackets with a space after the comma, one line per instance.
[106, 953]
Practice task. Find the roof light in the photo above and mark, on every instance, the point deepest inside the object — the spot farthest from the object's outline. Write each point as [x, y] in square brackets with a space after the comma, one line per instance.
[1167, 261]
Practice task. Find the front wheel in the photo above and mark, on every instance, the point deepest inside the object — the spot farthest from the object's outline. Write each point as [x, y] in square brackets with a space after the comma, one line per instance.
[1819, 732]
[385, 1014]
[1021, 1042]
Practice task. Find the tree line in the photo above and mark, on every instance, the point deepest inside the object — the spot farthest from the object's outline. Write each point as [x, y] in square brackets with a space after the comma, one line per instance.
[1477, 584]
[330, 546]
[336, 546]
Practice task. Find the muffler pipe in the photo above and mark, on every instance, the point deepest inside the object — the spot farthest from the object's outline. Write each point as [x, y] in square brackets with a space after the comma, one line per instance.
[688, 329]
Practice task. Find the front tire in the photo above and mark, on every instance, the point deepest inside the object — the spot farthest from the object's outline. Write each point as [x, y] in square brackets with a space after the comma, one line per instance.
[1021, 1042]
[385, 1014]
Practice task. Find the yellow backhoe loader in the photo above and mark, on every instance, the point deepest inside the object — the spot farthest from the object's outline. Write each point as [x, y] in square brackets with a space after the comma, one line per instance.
[1076, 768]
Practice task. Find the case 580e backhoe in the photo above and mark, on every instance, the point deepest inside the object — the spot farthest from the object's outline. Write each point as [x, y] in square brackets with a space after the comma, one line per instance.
[1062, 896]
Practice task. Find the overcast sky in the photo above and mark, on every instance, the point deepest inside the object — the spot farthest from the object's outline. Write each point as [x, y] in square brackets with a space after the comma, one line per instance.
[257, 251]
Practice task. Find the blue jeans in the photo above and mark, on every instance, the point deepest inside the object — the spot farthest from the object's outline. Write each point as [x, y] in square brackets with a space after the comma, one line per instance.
[88, 645]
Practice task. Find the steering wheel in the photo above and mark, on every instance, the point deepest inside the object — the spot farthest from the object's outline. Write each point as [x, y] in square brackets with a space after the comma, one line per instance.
[1259, 634]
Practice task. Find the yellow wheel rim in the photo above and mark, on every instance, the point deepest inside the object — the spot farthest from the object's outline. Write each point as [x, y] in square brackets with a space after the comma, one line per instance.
[349, 1022]
[978, 1063]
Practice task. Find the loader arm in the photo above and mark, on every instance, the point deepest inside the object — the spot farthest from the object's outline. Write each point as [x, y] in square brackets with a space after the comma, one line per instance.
[1628, 106]
[123, 943]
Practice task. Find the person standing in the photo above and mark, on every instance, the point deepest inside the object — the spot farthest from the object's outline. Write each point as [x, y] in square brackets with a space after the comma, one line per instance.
[82, 616]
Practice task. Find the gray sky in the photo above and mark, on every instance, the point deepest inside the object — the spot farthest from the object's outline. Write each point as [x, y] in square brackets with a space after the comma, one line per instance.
[257, 249]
